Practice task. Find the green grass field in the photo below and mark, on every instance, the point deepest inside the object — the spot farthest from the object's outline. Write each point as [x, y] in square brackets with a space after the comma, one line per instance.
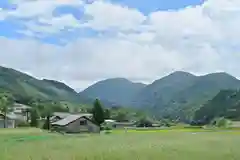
[33, 144]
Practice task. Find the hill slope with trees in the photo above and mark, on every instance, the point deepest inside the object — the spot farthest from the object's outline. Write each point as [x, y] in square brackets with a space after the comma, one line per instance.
[175, 96]
[119, 91]
[22, 85]
[225, 104]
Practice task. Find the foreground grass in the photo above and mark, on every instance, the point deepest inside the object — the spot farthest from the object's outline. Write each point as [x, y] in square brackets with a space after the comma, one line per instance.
[133, 145]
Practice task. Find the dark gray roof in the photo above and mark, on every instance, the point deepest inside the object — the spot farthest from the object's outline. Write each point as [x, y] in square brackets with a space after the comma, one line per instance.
[65, 114]
[70, 118]
[67, 120]
[61, 114]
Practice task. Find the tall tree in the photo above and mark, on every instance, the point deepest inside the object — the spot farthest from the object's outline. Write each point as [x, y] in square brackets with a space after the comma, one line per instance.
[98, 112]
[6, 101]
[34, 118]
[121, 116]
[107, 114]
[48, 112]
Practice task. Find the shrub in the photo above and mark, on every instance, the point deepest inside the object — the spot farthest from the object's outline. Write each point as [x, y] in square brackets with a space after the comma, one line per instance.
[47, 125]
[22, 124]
[144, 122]
[221, 122]
[107, 130]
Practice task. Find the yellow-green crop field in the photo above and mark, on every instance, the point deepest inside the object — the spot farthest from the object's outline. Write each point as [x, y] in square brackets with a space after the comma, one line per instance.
[175, 144]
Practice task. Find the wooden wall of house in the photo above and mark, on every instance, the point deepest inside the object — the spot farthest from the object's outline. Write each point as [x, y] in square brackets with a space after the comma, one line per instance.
[76, 127]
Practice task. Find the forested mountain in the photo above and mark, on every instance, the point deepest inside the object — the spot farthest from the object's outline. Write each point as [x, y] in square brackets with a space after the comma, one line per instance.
[163, 90]
[119, 91]
[185, 102]
[225, 104]
[20, 84]
[177, 95]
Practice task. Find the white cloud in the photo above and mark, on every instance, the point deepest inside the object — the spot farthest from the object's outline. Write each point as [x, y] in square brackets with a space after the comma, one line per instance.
[106, 15]
[34, 8]
[40, 15]
[53, 25]
[199, 39]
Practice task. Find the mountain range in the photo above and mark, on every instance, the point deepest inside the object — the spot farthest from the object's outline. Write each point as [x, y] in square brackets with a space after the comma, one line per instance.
[178, 94]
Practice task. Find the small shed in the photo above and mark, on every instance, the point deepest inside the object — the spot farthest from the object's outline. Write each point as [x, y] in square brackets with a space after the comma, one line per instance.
[110, 123]
[76, 124]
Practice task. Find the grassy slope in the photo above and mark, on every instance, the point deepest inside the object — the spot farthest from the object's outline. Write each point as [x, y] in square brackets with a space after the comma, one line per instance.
[164, 145]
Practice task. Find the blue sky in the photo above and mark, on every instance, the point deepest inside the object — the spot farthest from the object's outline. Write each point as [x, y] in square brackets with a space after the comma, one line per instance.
[82, 41]
[9, 27]
[153, 5]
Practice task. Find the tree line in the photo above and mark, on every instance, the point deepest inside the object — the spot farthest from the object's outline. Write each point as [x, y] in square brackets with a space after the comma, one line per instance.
[44, 109]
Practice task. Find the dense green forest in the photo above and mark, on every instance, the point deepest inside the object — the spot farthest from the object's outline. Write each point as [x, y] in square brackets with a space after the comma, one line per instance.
[225, 104]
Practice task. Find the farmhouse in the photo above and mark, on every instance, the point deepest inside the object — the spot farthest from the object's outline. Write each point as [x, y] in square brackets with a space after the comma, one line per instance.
[75, 123]
[21, 110]
[11, 120]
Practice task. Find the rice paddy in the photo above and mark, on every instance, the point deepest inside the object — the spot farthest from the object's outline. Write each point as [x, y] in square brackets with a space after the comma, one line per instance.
[175, 144]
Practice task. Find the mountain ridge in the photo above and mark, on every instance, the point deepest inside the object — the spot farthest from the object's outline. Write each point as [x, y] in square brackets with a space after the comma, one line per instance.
[176, 95]
[179, 94]
[22, 84]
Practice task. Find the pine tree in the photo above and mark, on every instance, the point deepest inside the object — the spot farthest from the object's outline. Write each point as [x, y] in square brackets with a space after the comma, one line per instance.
[98, 112]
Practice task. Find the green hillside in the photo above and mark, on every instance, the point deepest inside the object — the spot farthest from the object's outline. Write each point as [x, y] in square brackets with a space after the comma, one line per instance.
[161, 91]
[225, 104]
[176, 96]
[119, 91]
[21, 84]
[203, 88]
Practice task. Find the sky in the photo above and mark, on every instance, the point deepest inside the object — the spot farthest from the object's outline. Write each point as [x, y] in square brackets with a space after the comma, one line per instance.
[80, 42]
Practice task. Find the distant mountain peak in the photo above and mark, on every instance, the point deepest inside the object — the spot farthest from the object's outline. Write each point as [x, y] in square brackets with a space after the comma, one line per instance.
[175, 77]
[181, 73]
[117, 90]
[219, 74]
[116, 79]
[59, 85]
